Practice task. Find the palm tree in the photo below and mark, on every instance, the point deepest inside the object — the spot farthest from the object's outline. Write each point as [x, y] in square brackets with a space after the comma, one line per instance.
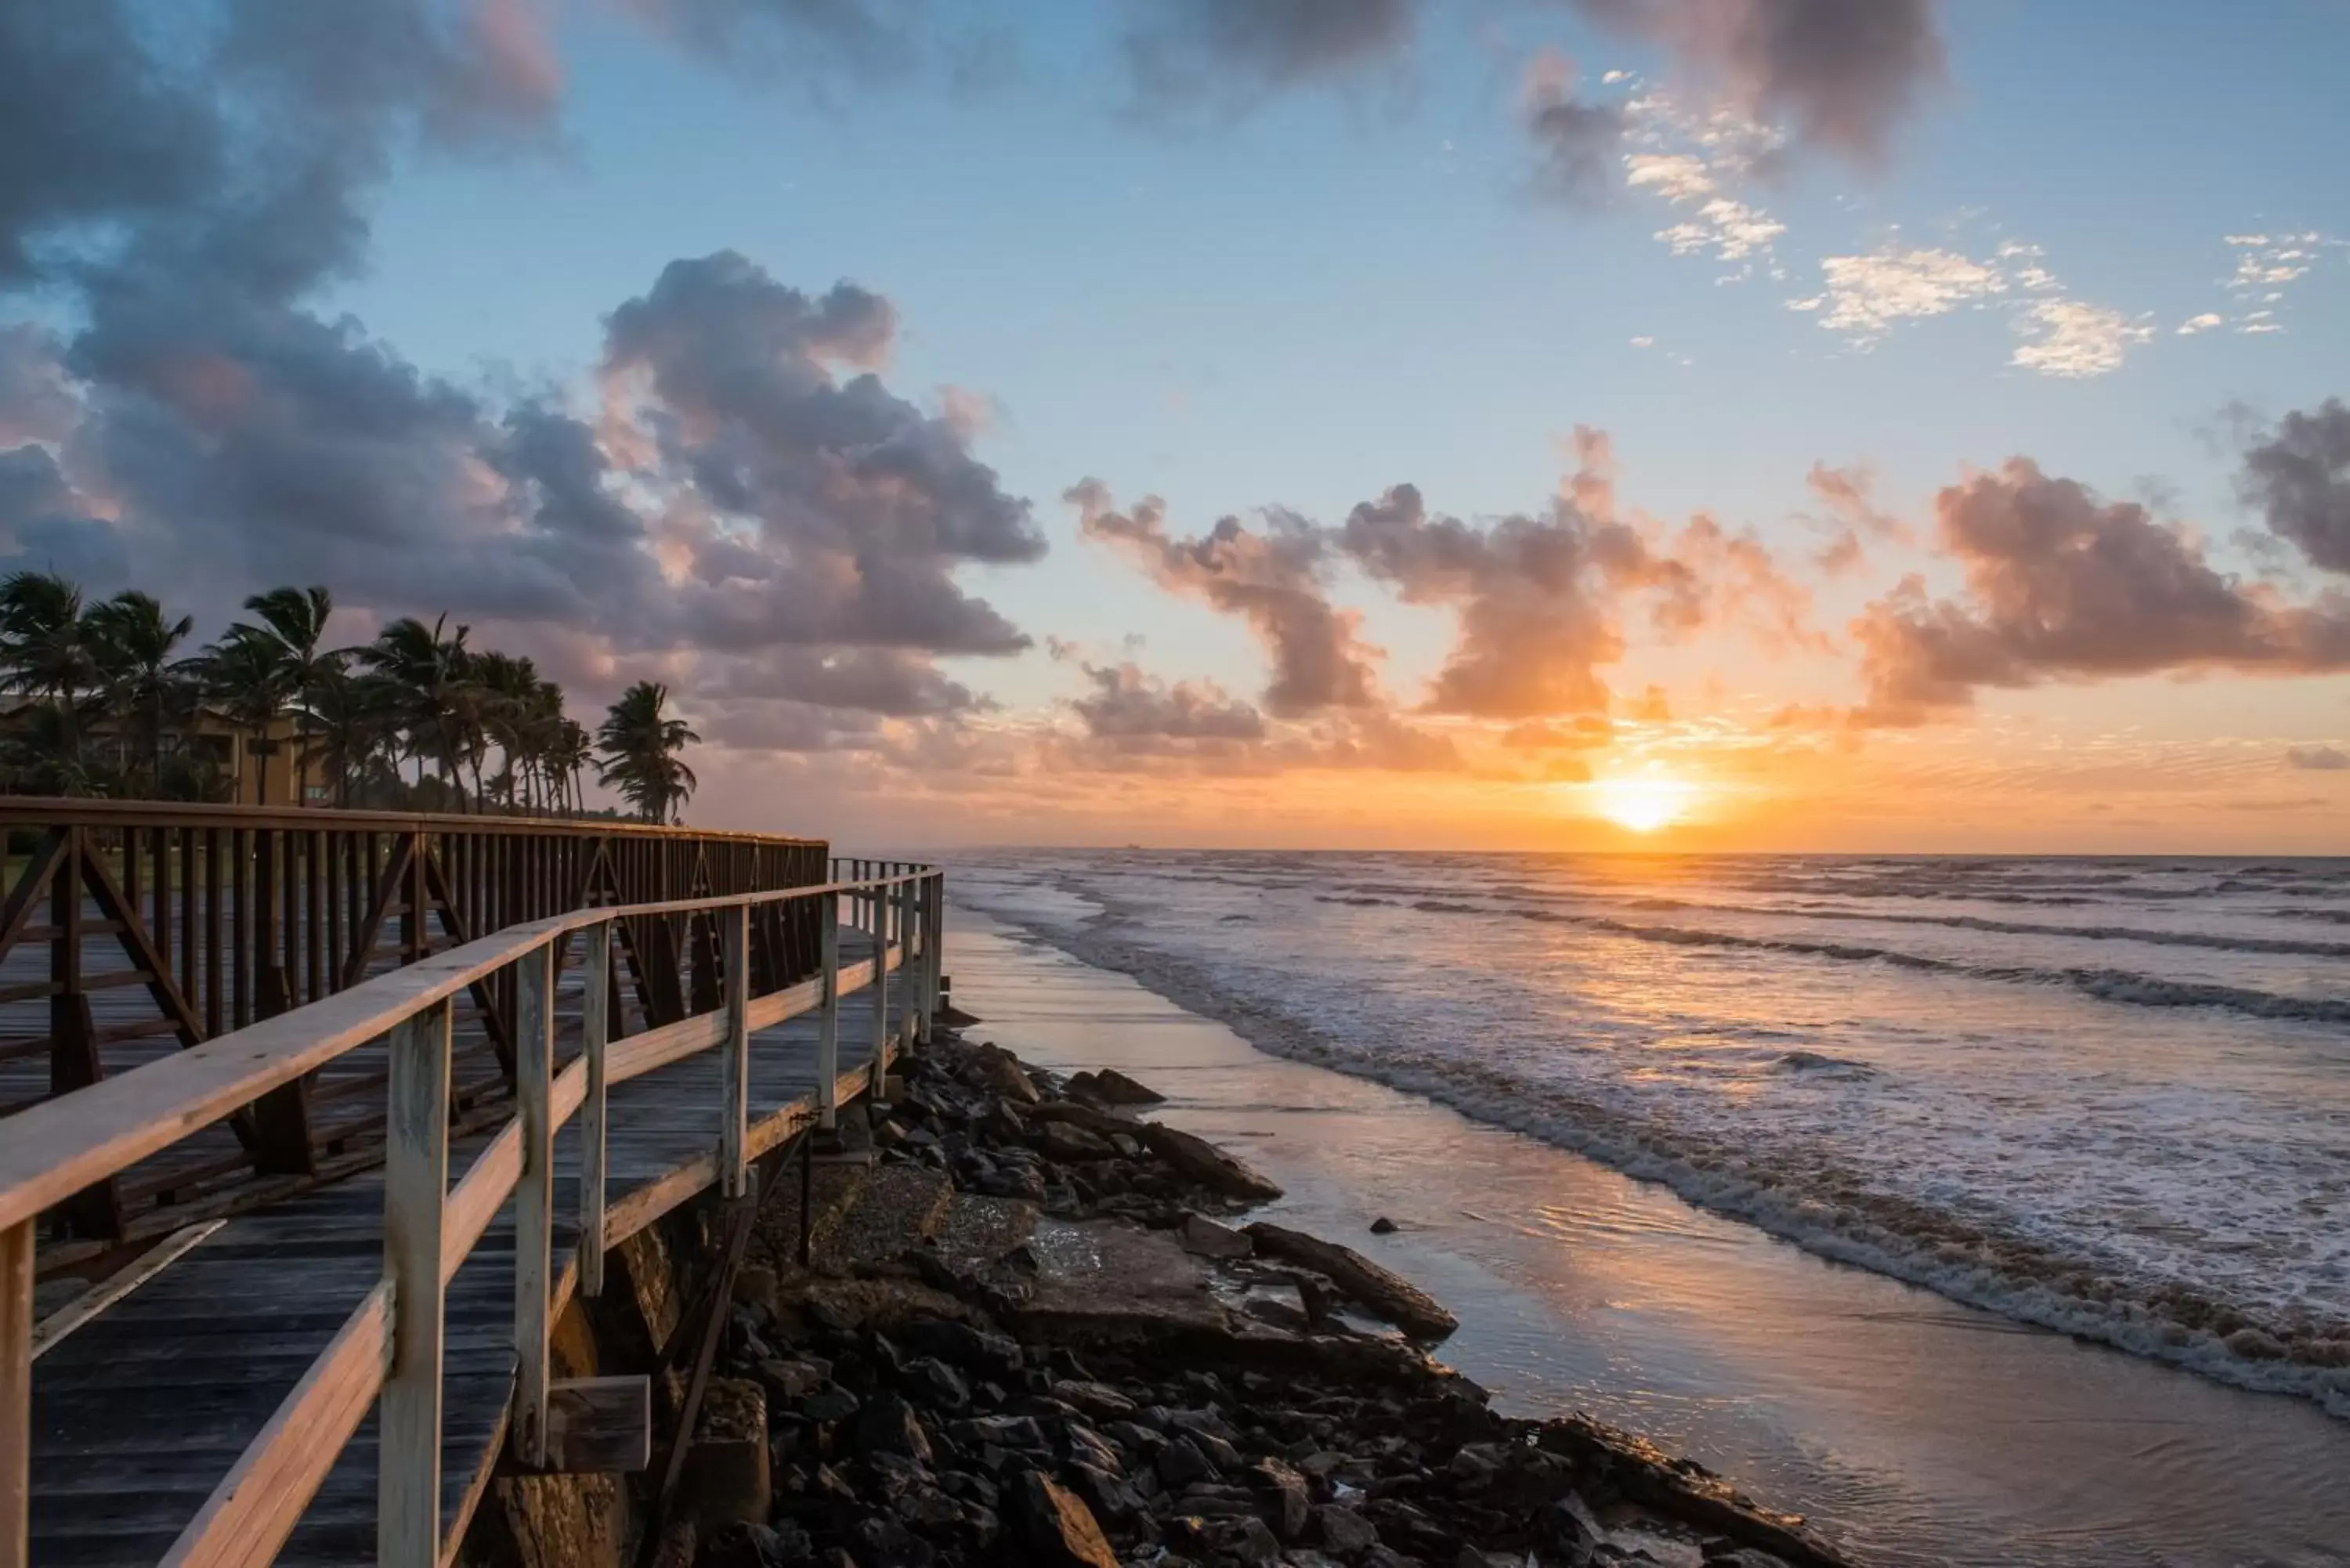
[294, 619]
[351, 719]
[567, 755]
[429, 674]
[246, 673]
[131, 642]
[45, 645]
[637, 747]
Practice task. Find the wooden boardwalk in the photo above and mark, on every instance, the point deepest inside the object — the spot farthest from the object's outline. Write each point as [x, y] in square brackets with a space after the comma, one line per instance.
[138, 1414]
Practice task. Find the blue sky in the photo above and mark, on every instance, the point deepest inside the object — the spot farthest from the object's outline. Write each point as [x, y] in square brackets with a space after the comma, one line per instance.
[1343, 287]
[1302, 286]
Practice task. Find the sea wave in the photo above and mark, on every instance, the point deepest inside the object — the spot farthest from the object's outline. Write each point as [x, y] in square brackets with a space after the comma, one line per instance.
[1804, 1196]
[2125, 987]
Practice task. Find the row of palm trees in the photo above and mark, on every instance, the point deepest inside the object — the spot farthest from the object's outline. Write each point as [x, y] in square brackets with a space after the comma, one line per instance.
[112, 703]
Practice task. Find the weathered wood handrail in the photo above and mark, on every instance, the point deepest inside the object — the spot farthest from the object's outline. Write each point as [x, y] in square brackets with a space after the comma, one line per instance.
[131, 927]
[390, 1344]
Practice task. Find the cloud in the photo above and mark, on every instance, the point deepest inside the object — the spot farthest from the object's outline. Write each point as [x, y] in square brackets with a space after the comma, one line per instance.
[2062, 585]
[1126, 705]
[1272, 579]
[2300, 478]
[1848, 495]
[1844, 73]
[1588, 732]
[2069, 339]
[1534, 597]
[754, 515]
[2317, 760]
[814, 38]
[1184, 53]
[1699, 163]
[2203, 323]
[1577, 144]
[1867, 296]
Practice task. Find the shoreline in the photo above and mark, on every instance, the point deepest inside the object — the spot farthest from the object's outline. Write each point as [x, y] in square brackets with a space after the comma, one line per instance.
[1915, 1431]
[1038, 1326]
[2006, 1276]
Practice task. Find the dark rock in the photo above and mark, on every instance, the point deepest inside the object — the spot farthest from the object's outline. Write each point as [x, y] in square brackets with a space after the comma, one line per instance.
[1565, 1538]
[1097, 1400]
[1206, 1164]
[884, 1542]
[1087, 1447]
[1220, 1454]
[1204, 1237]
[1181, 1462]
[1059, 1528]
[999, 1072]
[1071, 1144]
[1109, 1086]
[928, 1507]
[1342, 1530]
[932, 1381]
[1388, 1294]
[788, 1382]
[829, 1405]
[1383, 1225]
[1286, 1498]
[757, 1546]
[974, 1349]
[1245, 1539]
[887, 1425]
[1110, 1498]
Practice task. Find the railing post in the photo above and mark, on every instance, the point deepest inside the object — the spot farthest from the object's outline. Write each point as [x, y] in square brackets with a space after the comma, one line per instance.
[734, 1133]
[17, 1395]
[880, 932]
[533, 1197]
[595, 1032]
[828, 1028]
[911, 990]
[415, 1188]
[934, 950]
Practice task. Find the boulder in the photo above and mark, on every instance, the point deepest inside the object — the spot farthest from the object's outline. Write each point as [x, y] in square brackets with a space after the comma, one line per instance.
[1342, 1530]
[1204, 1163]
[1109, 1086]
[1383, 1292]
[1071, 1144]
[999, 1072]
[1204, 1237]
[1059, 1528]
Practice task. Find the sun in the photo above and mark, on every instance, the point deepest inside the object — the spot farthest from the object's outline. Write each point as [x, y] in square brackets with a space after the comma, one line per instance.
[1642, 805]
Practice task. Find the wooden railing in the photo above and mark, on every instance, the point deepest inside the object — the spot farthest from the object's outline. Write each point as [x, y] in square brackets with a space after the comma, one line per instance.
[132, 929]
[388, 1349]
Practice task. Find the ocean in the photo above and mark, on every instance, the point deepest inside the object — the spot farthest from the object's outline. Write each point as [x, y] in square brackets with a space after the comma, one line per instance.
[2106, 1096]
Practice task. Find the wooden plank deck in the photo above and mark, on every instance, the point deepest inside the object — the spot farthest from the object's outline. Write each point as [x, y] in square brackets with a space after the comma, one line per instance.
[138, 1414]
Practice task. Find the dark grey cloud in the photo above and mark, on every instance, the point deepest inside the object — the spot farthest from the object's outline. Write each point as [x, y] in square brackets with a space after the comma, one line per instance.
[1535, 596]
[91, 129]
[1125, 704]
[1578, 145]
[2300, 478]
[755, 494]
[1843, 73]
[860, 505]
[1272, 578]
[1182, 52]
[2064, 586]
[2317, 758]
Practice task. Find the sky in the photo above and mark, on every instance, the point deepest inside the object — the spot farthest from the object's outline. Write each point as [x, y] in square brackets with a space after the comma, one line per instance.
[1870, 425]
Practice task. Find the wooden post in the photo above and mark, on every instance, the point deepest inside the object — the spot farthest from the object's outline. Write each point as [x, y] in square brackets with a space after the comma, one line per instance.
[595, 1030]
[533, 1198]
[17, 1395]
[415, 1186]
[827, 1026]
[880, 935]
[910, 1009]
[734, 1132]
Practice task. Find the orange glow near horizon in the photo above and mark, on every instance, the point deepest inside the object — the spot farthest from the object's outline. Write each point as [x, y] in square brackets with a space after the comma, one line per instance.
[1643, 804]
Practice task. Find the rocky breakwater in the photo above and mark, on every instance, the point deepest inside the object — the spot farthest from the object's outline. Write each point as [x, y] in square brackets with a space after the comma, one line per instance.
[1033, 1330]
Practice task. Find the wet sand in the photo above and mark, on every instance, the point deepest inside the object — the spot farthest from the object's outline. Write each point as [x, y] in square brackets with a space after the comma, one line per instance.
[1912, 1430]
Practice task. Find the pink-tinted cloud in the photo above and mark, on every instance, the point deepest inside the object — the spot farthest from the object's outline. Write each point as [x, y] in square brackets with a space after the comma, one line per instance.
[2064, 586]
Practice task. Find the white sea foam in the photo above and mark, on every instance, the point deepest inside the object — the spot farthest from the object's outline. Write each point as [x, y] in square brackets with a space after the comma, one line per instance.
[2158, 1162]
